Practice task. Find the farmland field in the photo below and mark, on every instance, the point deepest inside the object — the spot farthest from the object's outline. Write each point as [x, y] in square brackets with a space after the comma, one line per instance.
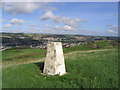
[86, 67]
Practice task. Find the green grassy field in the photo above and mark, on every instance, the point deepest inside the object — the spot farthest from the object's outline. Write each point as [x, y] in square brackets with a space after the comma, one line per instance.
[6, 36]
[86, 68]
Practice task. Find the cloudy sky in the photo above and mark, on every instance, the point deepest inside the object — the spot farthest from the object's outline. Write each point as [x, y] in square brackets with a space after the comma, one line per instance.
[84, 18]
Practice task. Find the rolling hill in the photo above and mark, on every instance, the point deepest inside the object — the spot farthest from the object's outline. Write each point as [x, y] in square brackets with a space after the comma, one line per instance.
[87, 67]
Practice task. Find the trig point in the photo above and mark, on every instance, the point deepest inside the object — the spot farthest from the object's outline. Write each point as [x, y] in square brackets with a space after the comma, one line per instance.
[54, 63]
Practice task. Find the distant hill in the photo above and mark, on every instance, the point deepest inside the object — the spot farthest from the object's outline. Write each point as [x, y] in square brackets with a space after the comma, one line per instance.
[26, 39]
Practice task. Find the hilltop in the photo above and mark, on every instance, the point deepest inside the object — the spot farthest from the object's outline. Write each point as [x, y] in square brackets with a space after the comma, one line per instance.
[87, 67]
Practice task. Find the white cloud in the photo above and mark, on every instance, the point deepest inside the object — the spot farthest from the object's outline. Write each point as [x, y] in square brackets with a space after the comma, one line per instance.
[59, 28]
[113, 30]
[47, 7]
[49, 16]
[66, 30]
[70, 21]
[7, 26]
[26, 7]
[32, 25]
[20, 8]
[55, 18]
[67, 27]
[17, 21]
[70, 24]
[3, 20]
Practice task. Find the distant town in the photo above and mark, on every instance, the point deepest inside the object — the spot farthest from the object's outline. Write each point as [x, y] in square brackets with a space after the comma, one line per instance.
[10, 40]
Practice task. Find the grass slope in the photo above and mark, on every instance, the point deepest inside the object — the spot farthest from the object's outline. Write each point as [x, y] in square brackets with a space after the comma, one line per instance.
[96, 69]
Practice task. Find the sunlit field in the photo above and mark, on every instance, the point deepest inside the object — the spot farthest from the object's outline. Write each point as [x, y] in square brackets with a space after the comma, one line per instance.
[86, 66]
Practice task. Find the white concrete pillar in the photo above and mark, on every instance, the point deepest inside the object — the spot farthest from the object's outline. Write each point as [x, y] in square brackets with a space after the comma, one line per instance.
[54, 63]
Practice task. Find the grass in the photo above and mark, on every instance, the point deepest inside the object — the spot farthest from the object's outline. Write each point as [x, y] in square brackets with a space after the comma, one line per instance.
[6, 36]
[101, 44]
[27, 54]
[18, 55]
[96, 69]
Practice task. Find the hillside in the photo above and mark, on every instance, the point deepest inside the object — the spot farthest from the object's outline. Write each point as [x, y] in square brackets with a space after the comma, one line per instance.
[40, 40]
[87, 66]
